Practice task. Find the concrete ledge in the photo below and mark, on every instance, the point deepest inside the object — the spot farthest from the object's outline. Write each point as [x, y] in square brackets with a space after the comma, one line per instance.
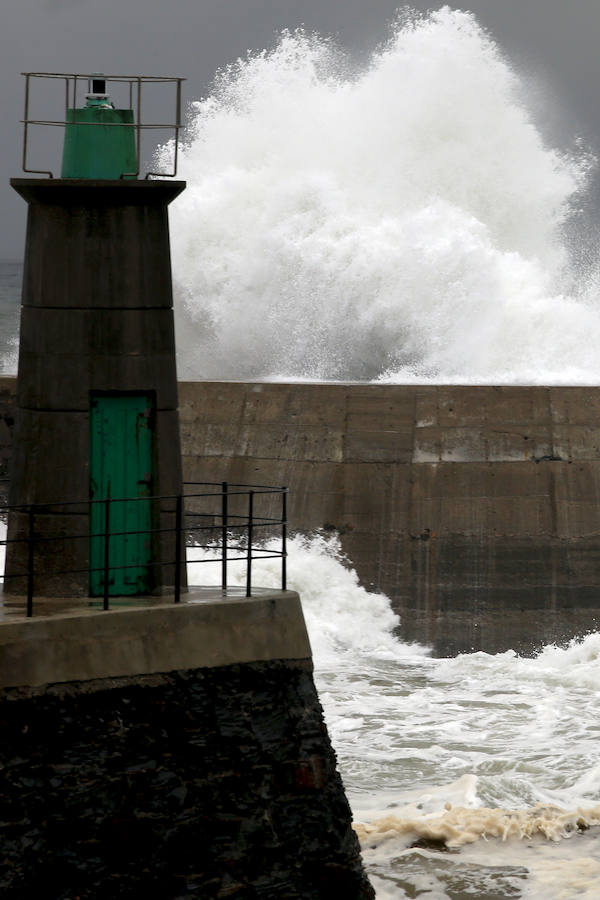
[203, 631]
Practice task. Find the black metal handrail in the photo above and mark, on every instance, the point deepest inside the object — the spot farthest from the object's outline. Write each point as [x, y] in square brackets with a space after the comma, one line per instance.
[225, 524]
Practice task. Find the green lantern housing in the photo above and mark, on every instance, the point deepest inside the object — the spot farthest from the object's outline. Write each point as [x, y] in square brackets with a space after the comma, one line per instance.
[99, 139]
[97, 319]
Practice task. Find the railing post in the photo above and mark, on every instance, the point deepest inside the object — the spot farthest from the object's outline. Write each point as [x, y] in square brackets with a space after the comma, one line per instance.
[30, 560]
[178, 536]
[249, 557]
[284, 539]
[224, 526]
[106, 549]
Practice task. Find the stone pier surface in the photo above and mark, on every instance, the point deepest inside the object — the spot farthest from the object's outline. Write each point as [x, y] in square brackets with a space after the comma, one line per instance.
[169, 751]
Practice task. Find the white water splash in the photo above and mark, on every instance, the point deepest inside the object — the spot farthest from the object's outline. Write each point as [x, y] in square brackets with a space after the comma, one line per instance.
[403, 222]
[345, 622]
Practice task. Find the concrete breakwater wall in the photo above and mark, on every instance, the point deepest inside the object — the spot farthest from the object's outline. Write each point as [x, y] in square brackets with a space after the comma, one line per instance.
[476, 509]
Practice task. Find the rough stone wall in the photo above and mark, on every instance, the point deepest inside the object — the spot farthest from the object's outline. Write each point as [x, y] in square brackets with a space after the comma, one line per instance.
[203, 784]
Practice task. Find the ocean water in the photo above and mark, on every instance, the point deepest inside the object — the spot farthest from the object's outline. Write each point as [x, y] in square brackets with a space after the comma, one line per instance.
[474, 776]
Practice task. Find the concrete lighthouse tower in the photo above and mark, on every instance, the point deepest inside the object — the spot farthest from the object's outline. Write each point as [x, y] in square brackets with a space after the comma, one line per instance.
[97, 434]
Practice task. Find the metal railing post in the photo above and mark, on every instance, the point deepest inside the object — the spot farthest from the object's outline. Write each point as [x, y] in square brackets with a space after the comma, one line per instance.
[233, 523]
[26, 123]
[139, 126]
[284, 539]
[249, 557]
[30, 560]
[178, 536]
[224, 526]
[106, 549]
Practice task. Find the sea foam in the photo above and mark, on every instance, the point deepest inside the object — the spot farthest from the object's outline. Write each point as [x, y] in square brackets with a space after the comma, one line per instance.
[401, 221]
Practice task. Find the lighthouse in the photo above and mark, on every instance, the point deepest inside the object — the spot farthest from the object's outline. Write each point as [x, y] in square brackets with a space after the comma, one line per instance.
[151, 747]
[97, 465]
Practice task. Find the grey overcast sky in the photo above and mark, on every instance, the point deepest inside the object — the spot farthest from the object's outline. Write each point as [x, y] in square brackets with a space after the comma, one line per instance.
[554, 42]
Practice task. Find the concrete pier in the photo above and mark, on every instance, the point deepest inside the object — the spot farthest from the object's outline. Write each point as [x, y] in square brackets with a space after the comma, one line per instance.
[74, 641]
[166, 750]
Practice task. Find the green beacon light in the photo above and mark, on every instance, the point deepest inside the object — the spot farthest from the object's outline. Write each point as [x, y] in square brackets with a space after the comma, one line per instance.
[99, 139]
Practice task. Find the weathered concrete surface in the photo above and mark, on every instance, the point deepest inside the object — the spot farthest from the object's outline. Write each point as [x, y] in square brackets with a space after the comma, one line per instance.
[477, 509]
[7, 421]
[209, 628]
[96, 316]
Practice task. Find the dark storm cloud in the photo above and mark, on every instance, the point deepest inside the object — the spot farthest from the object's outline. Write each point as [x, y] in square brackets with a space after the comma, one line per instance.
[553, 42]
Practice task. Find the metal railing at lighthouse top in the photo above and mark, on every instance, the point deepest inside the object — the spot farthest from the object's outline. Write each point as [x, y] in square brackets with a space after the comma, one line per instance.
[224, 520]
[136, 89]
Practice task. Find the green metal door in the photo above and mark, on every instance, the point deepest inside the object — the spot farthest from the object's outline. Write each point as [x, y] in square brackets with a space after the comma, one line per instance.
[121, 469]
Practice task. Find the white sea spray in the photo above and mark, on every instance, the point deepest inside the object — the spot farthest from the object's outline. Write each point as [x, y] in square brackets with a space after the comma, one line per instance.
[402, 221]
